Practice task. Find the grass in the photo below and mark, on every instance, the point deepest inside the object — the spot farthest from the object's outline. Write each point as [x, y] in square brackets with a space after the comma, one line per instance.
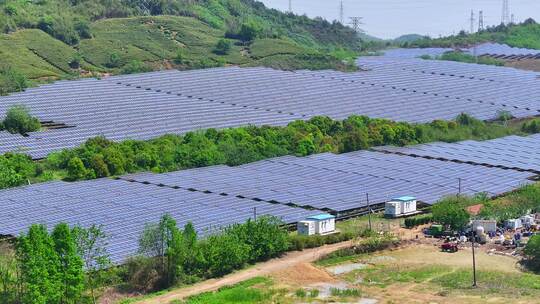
[256, 290]
[345, 293]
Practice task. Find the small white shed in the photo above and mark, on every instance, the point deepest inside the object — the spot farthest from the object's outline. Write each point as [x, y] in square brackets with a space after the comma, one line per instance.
[514, 224]
[400, 206]
[488, 225]
[317, 224]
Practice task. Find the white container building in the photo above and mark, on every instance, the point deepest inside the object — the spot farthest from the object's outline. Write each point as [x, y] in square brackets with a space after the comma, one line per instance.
[318, 224]
[400, 206]
[514, 224]
[488, 225]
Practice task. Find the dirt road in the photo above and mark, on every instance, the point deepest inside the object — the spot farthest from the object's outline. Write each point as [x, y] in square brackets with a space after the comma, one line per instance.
[262, 269]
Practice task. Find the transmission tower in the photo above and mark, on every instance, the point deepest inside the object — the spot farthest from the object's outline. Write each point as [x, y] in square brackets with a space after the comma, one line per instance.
[472, 22]
[341, 12]
[505, 18]
[290, 6]
[480, 20]
[356, 22]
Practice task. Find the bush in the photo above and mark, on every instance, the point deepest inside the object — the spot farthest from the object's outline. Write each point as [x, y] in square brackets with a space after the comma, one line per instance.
[223, 47]
[417, 221]
[19, 120]
[531, 126]
[11, 80]
[135, 66]
[532, 252]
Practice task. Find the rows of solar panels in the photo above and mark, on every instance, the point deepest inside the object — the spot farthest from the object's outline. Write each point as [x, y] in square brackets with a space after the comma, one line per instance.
[515, 152]
[290, 188]
[484, 49]
[124, 208]
[147, 105]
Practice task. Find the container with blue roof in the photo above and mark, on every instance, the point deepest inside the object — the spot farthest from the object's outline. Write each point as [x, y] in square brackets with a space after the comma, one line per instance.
[400, 206]
[317, 224]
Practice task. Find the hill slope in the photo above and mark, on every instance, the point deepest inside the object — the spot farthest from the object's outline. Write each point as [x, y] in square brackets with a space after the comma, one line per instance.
[58, 39]
[523, 35]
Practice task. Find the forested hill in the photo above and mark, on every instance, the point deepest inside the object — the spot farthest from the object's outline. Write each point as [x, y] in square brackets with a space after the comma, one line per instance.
[523, 35]
[54, 39]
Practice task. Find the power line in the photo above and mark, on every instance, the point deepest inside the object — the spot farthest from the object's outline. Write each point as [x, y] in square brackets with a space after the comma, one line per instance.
[356, 22]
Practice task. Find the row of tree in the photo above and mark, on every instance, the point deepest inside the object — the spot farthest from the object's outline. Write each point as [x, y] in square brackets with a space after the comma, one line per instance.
[62, 266]
[170, 256]
[99, 157]
[70, 265]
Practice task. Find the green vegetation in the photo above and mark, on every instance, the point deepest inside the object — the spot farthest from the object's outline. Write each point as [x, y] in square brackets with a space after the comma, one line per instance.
[48, 267]
[532, 252]
[418, 220]
[256, 290]
[170, 256]
[11, 80]
[451, 212]
[99, 157]
[467, 58]
[524, 35]
[54, 39]
[19, 120]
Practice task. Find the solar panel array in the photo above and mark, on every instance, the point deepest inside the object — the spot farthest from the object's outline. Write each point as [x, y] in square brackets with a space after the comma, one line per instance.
[339, 183]
[515, 152]
[484, 49]
[290, 188]
[124, 208]
[502, 51]
[145, 106]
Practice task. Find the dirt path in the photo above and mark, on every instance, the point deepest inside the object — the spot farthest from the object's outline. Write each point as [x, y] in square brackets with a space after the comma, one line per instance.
[289, 260]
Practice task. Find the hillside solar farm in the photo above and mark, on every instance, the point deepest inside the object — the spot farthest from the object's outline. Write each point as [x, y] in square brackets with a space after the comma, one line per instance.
[354, 143]
[144, 106]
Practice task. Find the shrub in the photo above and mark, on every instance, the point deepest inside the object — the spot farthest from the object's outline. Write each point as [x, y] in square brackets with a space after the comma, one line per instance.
[19, 120]
[11, 80]
[417, 221]
[114, 60]
[531, 126]
[532, 252]
[135, 66]
[223, 47]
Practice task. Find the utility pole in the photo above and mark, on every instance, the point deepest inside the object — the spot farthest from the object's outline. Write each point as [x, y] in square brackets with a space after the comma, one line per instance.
[480, 21]
[474, 258]
[254, 213]
[459, 186]
[472, 22]
[290, 6]
[355, 22]
[513, 19]
[505, 18]
[341, 14]
[369, 211]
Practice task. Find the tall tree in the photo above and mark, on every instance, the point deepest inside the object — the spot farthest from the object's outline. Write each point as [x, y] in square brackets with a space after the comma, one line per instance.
[39, 264]
[71, 264]
[92, 248]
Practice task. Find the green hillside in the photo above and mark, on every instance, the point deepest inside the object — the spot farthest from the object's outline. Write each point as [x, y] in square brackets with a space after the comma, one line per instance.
[57, 39]
[524, 35]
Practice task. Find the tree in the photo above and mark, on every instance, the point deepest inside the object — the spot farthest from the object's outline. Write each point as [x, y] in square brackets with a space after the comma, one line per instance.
[39, 267]
[249, 31]
[71, 264]
[92, 248]
[451, 213]
[164, 241]
[114, 60]
[11, 80]
[532, 251]
[19, 120]
[223, 47]
[76, 169]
